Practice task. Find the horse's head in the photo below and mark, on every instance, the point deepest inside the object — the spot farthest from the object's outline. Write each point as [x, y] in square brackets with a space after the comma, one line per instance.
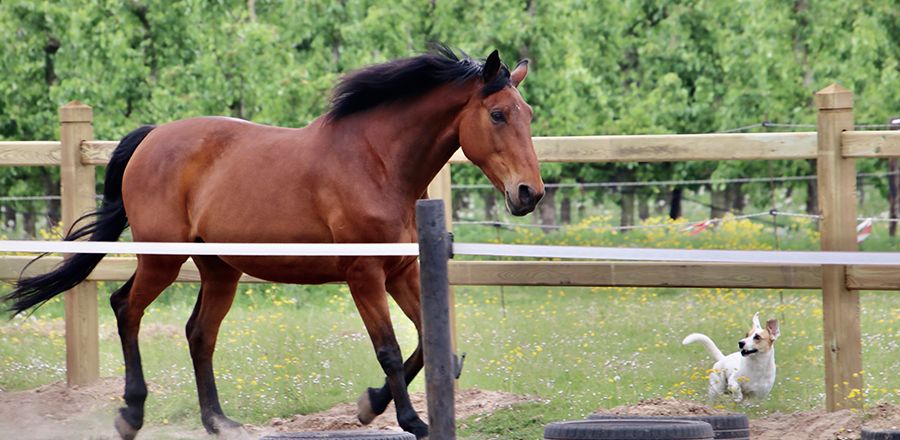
[495, 134]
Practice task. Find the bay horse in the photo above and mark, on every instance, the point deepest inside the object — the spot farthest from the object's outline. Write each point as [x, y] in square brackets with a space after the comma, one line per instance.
[351, 176]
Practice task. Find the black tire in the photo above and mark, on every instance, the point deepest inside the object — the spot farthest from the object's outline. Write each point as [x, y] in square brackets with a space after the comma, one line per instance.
[880, 434]
[725, 427]
[344, 435]
[629, 429]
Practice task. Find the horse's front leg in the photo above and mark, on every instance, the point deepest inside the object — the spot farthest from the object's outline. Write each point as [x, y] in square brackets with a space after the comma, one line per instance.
[404, 288]
[366, 279]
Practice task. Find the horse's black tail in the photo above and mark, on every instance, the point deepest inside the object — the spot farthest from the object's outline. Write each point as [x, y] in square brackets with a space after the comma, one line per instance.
[109, 221]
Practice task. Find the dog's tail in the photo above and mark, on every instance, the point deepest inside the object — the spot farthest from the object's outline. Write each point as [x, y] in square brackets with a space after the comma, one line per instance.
[708, 343]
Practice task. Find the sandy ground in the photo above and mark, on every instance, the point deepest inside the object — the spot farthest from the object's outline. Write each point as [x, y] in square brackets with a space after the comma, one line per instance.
[813, 425]
[56, 412]
[469, 403]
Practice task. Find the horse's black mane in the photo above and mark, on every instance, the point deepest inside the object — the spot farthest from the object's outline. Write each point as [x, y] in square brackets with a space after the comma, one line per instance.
[407, 78]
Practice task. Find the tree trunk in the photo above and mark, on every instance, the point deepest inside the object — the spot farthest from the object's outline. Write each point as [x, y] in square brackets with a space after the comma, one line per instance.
[892, 196]
[643, 207]
[861, 190]
[812, 193]
[547, 210]
[458, 203]
[736, 198]
[627, 205]
[675, 204]
[565, 211]
[718, 203]
[490, 204]
[51, 188]
[251, 8]
[660, 204]
[28, 220]
[9, 218]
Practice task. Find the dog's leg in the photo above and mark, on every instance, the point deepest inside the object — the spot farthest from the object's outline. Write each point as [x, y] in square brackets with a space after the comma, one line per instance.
[734, 386]
[716, 385]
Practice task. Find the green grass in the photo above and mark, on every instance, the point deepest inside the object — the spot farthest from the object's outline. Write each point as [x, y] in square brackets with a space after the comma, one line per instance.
[576, 349]
[297, 349]
[606, 347]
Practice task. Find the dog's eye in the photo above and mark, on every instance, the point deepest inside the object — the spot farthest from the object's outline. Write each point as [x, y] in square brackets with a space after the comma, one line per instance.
[756, 337]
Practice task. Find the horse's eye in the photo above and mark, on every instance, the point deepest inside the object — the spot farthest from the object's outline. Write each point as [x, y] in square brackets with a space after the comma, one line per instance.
[756, 337]
[498, 117]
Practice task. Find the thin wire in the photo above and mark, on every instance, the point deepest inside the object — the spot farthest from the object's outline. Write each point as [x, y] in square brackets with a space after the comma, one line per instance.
[769, 124]
[744, 128]
[797, 214]
[37, 198]
[28, 198]
[676, 182]
[513, 226]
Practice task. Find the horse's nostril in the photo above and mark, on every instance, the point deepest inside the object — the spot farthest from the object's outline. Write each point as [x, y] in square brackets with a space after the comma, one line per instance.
[526, 195]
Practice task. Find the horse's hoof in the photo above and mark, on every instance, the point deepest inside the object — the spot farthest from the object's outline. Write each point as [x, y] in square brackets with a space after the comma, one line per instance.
[231, 430]
[224, 427]
[419, 429]
[126, 431]
[364, 411]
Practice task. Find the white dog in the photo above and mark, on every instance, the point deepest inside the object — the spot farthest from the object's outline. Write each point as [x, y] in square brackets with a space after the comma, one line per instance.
[748, 373]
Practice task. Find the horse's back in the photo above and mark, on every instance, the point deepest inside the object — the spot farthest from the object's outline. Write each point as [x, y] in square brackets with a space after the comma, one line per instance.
[185, 167]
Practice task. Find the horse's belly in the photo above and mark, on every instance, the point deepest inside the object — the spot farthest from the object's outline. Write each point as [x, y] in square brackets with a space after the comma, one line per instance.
[295, 270]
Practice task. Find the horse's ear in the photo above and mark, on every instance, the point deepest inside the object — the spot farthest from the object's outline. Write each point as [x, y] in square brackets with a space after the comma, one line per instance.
[519, 73]
[491, 67]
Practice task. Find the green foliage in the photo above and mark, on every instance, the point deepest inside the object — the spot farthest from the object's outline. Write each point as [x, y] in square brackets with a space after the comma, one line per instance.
[638, 66]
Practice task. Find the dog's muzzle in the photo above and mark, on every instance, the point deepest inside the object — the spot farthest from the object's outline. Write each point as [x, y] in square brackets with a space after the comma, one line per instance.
[746, 353]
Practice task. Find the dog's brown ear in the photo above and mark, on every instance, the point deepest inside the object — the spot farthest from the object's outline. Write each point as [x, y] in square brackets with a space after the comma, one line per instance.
[772, 327]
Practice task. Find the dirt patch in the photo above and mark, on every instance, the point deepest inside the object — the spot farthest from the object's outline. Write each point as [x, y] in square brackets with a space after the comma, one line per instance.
[884, 416]
[55, 410]
[469, 403]
[812, 425]
[663, 407]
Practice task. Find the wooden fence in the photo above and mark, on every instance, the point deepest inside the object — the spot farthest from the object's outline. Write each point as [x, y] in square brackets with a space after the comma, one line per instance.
[835, 146]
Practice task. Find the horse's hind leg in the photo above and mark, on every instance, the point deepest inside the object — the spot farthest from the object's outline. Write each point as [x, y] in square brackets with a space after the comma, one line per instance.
[404, 288]
[154, 273]
[367, 285]
[217, 289]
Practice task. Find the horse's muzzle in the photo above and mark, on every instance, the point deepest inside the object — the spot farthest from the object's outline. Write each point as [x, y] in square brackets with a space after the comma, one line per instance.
[526, 200]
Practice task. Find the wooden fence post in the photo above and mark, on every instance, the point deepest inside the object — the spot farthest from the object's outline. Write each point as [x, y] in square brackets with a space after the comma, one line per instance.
[434, 253]
[78, 192]
[439, 188]
[837, 202]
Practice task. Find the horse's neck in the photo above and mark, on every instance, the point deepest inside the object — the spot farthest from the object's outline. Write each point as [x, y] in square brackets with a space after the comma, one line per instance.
[415, 139]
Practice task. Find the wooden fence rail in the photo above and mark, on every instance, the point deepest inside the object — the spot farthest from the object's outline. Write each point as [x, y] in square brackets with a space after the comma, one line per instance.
[834, 145]
[577, 149]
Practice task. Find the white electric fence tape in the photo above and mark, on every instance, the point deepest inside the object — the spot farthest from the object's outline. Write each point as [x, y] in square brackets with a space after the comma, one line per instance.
[497, 250]
[238, 249]
[680, 255]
